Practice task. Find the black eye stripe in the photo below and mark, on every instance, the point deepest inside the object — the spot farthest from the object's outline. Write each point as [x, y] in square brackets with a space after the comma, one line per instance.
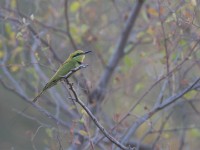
[77, 54]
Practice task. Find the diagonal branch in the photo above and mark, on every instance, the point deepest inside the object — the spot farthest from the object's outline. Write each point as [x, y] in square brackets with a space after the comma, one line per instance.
[40, 109]
[110, 137]
[165, 103]
[99, 92]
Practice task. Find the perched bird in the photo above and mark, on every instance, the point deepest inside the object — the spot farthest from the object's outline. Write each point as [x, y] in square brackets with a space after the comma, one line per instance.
[74, 60]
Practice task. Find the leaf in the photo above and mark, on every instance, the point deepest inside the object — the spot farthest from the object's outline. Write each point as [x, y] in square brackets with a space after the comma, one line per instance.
[16, 52]
[83, 112]
[182, 42]
[82, 132]
[195, 133]
[84, 28]
[32, 17]
[171, 18]
[151, 31]
[190, 94]
[19, 36]
[128, 48]
[49, 132]
[128, 61]
[75, 33]
[24, 20]
[14, 68]
[166, 135]
[152, 11]
[37, 56]
[8, 28]
[45, 48]
[73, 29]
[74, 6]
[1, 54]
[82, 120]
[138, 87]
[13, 4]
[174, 56]
[143, 54]
[72, 107]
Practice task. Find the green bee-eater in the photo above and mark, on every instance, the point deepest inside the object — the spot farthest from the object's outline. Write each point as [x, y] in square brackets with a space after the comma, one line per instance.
[74, 60]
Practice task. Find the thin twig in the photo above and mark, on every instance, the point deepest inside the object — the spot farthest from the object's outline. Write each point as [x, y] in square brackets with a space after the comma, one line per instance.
[161, 128]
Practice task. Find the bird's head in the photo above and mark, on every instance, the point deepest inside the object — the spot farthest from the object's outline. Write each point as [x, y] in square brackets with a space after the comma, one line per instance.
[79, 55]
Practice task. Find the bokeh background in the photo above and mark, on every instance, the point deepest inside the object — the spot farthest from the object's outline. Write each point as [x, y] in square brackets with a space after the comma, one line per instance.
[148, 49]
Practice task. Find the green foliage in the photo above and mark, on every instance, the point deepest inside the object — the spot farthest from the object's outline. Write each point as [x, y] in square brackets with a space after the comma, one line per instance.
[75, 5]
[194, 133]
[190, 94]
[128, 63]
[78, 31]
[8, 28]
[49, 132]
[83, 133]
[138, 87]
[182, 42]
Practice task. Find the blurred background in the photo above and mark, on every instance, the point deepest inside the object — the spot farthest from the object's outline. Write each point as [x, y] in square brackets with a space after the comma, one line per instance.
[143, 54]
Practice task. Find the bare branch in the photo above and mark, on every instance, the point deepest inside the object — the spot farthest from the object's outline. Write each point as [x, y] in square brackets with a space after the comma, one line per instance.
[165, 103]
[40, 109]
[99, 92]
[111, 138]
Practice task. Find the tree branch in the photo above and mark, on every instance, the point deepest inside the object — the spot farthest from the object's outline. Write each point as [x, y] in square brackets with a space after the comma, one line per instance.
[165, 103]
[99, 92]
[111, 138]
[40, 109]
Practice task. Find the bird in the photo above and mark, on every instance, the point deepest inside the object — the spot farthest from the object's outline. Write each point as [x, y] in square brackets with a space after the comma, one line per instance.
[74, 60]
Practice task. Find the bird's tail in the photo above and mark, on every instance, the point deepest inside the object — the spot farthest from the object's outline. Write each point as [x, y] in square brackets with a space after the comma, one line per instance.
[47, 86]
[35, 99]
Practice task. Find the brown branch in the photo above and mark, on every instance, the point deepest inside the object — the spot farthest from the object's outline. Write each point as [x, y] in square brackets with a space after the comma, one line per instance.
[110, 137]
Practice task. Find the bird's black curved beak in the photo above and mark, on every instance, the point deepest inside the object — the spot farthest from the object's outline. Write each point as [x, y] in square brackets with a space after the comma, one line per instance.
[87, 52]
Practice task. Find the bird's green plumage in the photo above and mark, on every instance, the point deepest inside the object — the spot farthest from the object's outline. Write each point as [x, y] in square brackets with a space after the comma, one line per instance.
[73, 61]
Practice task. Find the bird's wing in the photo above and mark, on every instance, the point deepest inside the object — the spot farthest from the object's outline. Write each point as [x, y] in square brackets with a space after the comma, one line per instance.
[66, 61]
